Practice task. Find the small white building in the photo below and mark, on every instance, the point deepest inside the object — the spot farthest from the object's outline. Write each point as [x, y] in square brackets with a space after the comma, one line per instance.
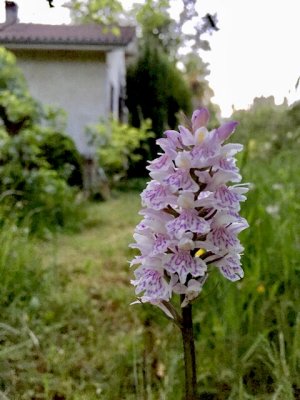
[80, 68]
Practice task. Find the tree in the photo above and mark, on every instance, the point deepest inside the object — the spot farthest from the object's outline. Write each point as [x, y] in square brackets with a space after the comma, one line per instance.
[155, 24]
[105, 12]
[154, 20]
[156, 90]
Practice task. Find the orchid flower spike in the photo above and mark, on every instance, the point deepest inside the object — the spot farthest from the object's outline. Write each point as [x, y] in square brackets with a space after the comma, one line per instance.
[190, 214]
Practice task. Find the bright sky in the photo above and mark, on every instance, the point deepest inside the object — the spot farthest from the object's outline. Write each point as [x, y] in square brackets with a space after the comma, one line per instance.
[255, 52]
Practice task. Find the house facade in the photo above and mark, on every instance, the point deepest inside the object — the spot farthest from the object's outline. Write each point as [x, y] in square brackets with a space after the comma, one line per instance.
[80, 68]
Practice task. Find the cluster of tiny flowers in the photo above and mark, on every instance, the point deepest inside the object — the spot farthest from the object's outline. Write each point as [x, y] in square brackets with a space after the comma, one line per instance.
[190, 214]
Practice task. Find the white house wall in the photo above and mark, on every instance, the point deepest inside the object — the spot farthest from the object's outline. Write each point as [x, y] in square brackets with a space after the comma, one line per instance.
[75, 81]
[116, 72]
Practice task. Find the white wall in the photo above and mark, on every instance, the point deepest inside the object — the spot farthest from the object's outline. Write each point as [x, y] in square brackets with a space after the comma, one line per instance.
[75, 81]
[116, 72]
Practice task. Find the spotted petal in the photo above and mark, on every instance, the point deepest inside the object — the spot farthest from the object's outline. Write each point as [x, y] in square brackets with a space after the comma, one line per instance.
[157, 196]
[230, 268]
[182, 263]
[228, 197]
[188, 221]
[152, 283]
[223, 238]
[181, 180]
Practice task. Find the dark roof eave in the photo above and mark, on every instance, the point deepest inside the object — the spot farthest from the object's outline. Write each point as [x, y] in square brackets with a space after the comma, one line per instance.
[61, 46]
[63, 35]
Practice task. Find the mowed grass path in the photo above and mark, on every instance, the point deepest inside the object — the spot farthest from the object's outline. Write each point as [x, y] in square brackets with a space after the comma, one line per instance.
[93, 301]
[99, 249]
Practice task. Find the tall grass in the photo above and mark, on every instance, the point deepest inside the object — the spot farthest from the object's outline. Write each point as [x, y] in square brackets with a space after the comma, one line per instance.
[22, 283]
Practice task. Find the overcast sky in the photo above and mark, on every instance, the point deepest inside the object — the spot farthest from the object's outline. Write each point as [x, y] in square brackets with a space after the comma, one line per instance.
[255, 52]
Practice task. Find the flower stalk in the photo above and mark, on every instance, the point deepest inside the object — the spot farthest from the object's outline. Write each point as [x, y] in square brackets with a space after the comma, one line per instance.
[187, 334]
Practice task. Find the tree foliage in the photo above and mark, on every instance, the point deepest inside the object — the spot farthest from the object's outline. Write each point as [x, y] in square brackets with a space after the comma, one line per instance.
[17, 108]
[154, 20]
[155, 23]
[156, 90]
[105, 12]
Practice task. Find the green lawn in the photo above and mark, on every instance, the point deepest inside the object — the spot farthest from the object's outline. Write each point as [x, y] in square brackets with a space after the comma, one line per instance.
[68, 331]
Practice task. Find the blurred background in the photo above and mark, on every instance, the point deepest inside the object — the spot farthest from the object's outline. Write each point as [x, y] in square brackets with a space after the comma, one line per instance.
[86, 88]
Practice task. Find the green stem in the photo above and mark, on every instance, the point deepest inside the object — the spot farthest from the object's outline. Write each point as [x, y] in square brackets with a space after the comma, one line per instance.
[189, 353]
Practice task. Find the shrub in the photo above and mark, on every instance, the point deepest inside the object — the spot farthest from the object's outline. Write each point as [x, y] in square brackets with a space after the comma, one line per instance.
[61, 154]
[37, 162]
[30, 187]
[18, 109]
[118, 146]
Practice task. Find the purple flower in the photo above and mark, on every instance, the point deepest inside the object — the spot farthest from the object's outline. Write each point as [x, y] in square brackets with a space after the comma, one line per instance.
[191, 215]
[182, 263]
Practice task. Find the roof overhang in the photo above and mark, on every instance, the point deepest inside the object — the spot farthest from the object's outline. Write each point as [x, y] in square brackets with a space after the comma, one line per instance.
[61, 46]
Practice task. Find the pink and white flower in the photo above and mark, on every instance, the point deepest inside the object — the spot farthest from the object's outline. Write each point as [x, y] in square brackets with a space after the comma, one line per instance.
[191, 215]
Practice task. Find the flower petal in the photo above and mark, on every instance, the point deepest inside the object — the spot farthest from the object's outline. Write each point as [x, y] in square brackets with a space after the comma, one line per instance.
[225, 130]
[200, 118]
[182, 263]
[230, 268]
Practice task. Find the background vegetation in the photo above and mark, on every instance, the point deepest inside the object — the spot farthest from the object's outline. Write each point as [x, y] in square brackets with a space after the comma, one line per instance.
[67, 329]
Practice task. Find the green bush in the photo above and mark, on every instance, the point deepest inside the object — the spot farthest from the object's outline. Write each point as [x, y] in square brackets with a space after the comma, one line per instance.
[37, 162]
[18, 109]
[30, 187]
[118, 146]
[60, 152]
